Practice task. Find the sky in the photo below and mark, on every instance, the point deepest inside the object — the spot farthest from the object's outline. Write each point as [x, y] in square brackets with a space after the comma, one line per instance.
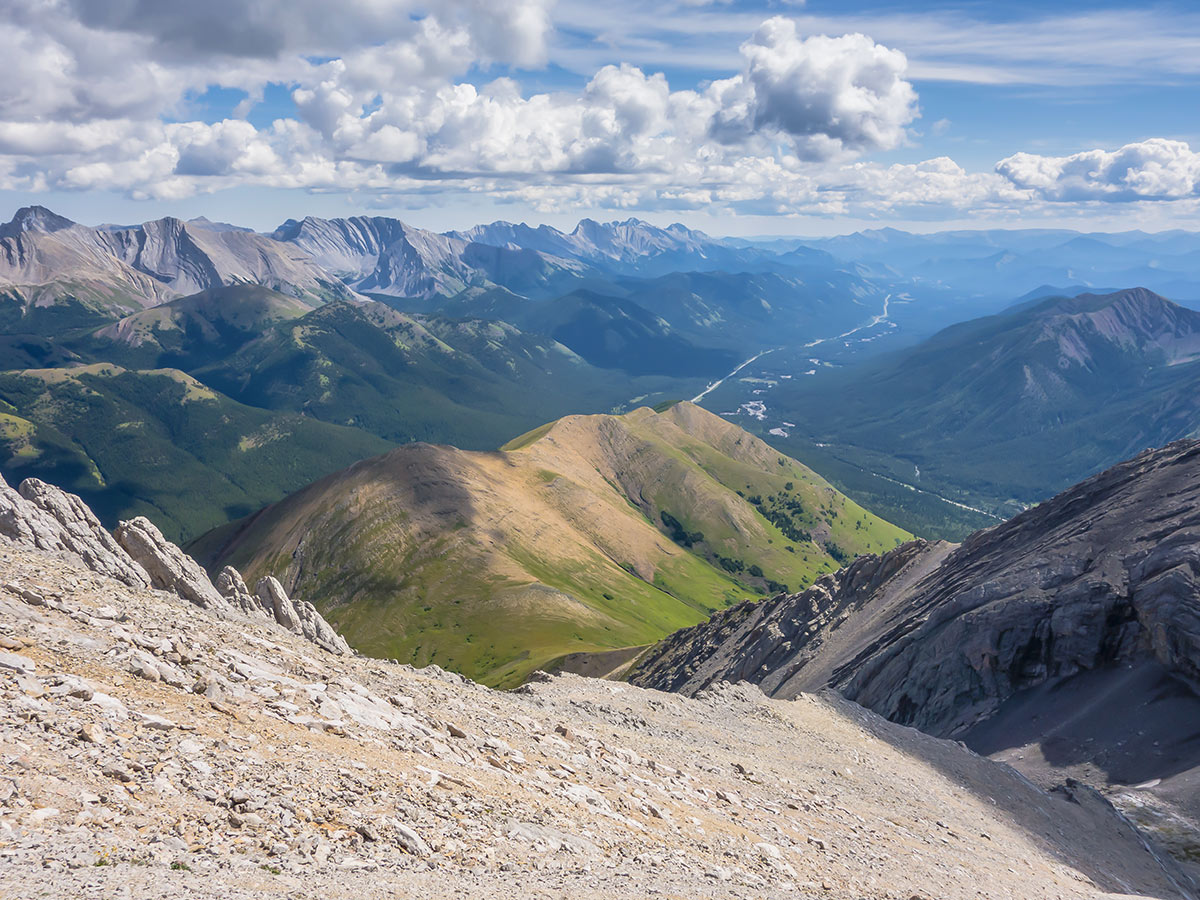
[742, 117]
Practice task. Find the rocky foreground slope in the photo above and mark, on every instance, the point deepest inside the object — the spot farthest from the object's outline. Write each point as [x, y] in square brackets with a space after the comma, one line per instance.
[40, 516]
[151, 747]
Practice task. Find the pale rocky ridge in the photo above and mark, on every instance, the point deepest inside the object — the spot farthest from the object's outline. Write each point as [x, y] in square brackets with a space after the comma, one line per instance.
[42, 516]
[45, 257]
[170, 569]
[39, 515]
[150, 748]
[381, 255]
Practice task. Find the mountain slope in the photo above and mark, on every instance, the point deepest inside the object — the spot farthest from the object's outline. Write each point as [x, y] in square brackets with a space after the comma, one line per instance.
[191, 331]
[701, 323]
[1070, 632]
[55, 273]
[160, 443]
[298, 772]
[471, 383]
[332, 385]
[616, 333]
[591, 533]
[1006, 410]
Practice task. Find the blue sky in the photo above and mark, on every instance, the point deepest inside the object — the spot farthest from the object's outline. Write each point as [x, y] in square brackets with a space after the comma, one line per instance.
[738, 117]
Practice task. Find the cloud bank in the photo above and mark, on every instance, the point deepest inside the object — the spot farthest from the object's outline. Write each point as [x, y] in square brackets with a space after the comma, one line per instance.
[403, 98]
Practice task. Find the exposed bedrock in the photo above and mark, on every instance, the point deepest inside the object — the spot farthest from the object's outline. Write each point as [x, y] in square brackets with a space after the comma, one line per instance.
[937, 636]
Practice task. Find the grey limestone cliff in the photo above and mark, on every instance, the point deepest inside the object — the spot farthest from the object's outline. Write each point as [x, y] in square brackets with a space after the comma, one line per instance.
[939, 636]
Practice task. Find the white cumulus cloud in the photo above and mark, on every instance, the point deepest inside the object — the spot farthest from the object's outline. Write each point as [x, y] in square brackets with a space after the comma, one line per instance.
[829, 94]
[1156, 169]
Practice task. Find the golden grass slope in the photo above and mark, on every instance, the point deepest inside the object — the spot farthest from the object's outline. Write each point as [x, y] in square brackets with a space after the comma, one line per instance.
[495, 564]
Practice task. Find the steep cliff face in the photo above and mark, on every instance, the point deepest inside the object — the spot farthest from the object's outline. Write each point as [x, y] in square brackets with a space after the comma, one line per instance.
[939, 637]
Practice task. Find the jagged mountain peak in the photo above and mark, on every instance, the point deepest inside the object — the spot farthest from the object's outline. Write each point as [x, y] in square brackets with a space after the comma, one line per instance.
[34, 218]
[1135, 322]
[1135, 298]
[108, 271]
[291, 227]
[383, 255]
[210, 225]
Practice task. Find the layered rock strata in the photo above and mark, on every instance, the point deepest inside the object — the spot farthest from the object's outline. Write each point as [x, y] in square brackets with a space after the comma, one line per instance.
[939, 636]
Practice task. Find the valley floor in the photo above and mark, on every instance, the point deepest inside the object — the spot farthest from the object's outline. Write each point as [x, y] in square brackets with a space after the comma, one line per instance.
[151, 749]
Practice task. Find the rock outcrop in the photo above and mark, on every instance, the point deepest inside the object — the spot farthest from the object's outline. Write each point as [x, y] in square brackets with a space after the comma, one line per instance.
[229, 584]
[42, 516]
[169, 567]
[938, 637]
[299, 616]
[272, 600]
[275, 599]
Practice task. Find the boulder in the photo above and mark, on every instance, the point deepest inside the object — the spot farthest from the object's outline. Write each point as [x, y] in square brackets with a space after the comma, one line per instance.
[274, 597]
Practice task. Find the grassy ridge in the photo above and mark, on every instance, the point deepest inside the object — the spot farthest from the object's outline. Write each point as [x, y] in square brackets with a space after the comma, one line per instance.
[590, 534]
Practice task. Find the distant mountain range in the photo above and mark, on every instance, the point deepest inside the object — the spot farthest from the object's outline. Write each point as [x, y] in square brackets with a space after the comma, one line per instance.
[590, 534]
[1010, 263]
[632, 247]
[55, 273]
[376, 255]
[470, 337]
